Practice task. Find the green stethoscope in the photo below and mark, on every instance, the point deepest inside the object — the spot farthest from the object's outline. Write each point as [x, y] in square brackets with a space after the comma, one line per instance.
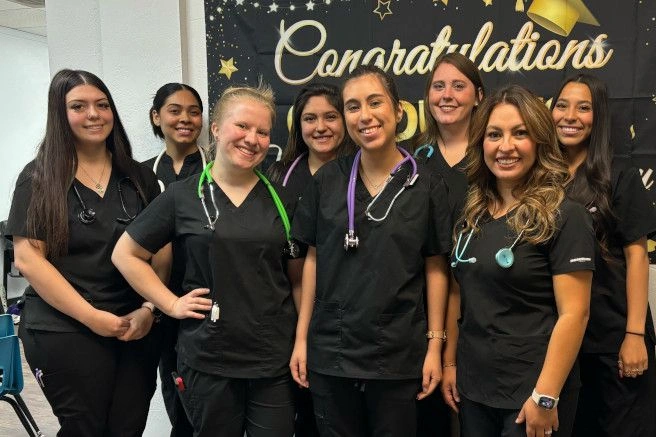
[291, 249]
[504, 257]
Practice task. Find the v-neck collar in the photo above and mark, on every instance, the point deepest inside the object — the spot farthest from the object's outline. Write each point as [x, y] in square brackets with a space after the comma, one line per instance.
[110, 186]
[253, 194]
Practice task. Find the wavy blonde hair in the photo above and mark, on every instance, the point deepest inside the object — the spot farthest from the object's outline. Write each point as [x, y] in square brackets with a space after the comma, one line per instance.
[541, 192]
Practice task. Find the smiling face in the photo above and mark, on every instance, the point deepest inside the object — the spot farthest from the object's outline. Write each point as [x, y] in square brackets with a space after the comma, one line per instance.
[89, 115]
[370, 113]
[508, 150]
[322, 126]
[243, 134]
[180, 118]
[573, 115]
[451, 96]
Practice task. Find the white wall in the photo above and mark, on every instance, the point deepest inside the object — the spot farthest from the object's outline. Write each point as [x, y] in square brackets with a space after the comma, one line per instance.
[135, 47]
[24, 78]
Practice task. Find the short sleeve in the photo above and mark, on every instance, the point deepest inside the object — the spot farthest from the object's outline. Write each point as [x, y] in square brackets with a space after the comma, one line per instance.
[440, 214]
[634, 212]
[20, 202]
[573, 246]
[304, 224]
[155, 226]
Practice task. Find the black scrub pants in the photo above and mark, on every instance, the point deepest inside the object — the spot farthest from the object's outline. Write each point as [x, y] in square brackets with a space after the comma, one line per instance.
[479, 420]
[614, 406]
[346, 407]
[433, 416]
[304, 425]
[180, 426]
[228, 407]
[97, 386]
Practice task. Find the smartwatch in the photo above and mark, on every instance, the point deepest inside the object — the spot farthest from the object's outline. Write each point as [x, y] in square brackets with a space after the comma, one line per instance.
[544, 401]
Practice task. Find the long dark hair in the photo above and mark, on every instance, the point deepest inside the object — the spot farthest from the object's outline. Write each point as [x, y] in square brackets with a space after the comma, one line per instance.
[163, 93]
[591, 182]
[56, 163]
[470, 71]
[295, 143]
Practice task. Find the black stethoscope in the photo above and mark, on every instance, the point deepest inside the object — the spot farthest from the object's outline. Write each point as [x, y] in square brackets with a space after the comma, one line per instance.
[159, 158]
[350, 239]
[291, 249]
[88, 215]
[504, 257]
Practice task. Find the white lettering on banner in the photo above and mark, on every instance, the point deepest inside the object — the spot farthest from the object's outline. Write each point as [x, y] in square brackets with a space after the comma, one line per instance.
[647, 177]
[518, 54]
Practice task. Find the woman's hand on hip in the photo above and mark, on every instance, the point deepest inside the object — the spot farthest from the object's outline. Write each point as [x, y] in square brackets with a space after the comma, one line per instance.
[189, 305]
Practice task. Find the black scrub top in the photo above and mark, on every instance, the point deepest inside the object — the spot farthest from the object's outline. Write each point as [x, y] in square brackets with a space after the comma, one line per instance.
[242, 263]
[507, 315]
[454, 177]
[369, 319]
[192, 164]
[635, 218]
[87, 266]
[298, 181]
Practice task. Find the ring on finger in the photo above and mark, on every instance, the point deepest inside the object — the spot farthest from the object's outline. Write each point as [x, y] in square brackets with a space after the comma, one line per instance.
[548, 432]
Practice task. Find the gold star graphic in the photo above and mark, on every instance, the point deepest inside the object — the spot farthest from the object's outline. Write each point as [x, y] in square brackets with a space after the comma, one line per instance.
[383, 9]
[487, 3]
[446, 2]
[228, 67]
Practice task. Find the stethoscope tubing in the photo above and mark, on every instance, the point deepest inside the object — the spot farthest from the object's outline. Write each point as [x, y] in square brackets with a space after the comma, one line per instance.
[159, 158]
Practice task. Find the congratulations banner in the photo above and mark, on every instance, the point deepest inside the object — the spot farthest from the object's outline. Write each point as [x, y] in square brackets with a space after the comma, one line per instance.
[535, 43]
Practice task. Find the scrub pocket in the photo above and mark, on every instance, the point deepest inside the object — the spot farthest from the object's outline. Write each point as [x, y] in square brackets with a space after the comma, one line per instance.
[400, 344]
[325, 335]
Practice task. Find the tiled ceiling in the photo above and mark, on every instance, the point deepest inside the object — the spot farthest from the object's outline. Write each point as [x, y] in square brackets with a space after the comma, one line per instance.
[24, 15]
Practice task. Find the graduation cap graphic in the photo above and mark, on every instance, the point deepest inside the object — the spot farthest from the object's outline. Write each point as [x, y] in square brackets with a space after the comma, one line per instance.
[560, 16]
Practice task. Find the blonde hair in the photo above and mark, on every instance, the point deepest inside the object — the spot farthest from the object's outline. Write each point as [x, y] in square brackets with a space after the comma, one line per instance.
[541, 192]
[262, 93]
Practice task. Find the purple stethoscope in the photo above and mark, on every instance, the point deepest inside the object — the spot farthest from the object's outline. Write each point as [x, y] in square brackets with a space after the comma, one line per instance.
[350, 239]
[292, 167]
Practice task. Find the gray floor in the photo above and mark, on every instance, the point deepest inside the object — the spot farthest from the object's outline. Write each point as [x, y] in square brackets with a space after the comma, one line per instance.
[158, 422]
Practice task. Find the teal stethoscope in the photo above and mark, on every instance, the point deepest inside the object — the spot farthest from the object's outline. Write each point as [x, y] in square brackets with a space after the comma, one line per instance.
[504, 256]
[428, 147]
[291, 249]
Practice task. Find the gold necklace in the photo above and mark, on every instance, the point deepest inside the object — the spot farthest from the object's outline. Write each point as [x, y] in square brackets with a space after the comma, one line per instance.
[370, 182]
[99, 187]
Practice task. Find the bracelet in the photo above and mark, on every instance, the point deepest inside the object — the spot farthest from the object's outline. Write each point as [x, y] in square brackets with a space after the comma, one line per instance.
[449, 365]
[635, 333]
[438, 335]
[148, 305]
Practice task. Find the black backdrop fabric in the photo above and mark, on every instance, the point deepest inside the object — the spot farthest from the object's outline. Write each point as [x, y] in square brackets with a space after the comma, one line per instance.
[535, 43]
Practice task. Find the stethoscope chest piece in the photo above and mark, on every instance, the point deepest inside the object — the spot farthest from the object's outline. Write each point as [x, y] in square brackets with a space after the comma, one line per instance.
[291, 249]
[351, 241]
[505, 257]
[87, 216]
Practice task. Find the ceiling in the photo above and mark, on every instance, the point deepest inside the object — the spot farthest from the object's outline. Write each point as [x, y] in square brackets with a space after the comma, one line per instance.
[24, 15]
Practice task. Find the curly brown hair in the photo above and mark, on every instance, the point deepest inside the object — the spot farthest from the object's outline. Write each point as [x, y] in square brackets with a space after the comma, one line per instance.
[541, 192]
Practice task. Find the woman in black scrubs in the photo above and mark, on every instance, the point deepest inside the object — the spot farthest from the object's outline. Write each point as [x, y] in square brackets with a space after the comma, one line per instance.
[317, 135]
[618, 396]
[176, 117]
[523, 261]
[362, 329]
[238, 316]
[454, 89]
[87, 335]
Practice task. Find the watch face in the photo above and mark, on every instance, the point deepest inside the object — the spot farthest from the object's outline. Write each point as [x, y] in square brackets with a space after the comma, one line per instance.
[546, 402]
